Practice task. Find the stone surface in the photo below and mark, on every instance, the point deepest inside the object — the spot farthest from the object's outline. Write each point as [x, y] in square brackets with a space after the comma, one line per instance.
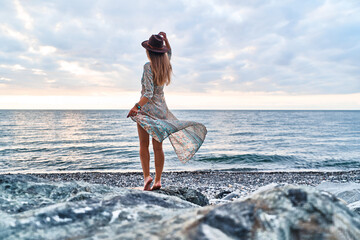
[187, 194]
[280, 212]
[222, 194]
[232, 196]
[349, 192]
[33, 208]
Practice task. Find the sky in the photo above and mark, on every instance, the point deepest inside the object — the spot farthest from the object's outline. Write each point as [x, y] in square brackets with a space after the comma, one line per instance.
[228, 54]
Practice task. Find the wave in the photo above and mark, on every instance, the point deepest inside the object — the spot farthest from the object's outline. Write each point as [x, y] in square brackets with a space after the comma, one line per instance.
[277, 162]
[248, 158]
[243, 134]
[335, 163]
[85, 149]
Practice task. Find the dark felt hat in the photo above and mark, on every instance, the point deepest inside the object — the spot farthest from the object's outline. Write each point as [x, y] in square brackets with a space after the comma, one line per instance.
[155, 44]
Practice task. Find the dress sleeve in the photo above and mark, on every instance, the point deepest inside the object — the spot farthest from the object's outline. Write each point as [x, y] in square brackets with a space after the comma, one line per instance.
[147, 82]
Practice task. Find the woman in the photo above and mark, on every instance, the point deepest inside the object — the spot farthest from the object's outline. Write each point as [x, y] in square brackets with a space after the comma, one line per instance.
[154, 118]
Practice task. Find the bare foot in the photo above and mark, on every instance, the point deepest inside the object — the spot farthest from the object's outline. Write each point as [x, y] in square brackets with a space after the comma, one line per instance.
[147, 183]
[156, 186]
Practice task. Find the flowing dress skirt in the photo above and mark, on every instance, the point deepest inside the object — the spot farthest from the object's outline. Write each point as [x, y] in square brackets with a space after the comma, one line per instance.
[185, 136]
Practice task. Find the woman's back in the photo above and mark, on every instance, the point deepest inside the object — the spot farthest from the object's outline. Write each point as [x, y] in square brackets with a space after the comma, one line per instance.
[148, 85]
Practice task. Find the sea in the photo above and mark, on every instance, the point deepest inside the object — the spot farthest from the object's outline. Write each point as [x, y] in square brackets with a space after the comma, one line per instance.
[38, 141]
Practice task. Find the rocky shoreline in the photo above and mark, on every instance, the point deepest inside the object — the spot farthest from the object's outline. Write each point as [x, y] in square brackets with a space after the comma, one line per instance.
[211, 183]
[191, 205]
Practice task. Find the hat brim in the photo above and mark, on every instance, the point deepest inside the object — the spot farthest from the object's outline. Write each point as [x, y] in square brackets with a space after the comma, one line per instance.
[145, 44]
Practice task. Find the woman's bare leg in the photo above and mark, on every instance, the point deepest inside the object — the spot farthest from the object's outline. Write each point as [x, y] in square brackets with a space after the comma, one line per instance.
[145, 156]
[159, 163]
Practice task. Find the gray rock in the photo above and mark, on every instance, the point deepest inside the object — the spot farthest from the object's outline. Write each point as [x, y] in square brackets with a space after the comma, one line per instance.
[348, 192]
[222, 194]
[231, 196]
[233, 220]
[298, 197]
[31, 208]
[218, 201]
[187, 194]
[281, 213]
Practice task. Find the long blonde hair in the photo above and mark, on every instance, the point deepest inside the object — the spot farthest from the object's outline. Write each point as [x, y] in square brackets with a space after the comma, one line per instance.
[160, 67]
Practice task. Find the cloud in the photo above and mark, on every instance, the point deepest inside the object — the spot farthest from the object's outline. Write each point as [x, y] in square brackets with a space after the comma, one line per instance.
[293, 47]
[23, 15]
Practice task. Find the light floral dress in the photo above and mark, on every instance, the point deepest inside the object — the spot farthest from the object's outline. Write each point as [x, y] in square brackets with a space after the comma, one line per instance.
[185, 136]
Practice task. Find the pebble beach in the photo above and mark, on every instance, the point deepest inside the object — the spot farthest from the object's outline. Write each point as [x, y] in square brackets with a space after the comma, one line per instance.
[210, 183]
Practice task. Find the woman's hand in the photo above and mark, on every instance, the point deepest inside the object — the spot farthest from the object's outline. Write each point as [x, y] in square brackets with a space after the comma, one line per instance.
[163, 35]
[133, 112]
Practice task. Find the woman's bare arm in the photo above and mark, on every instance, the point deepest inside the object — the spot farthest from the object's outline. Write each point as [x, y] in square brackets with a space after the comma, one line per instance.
[143, 101]
[167, 44]
[134, 110]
